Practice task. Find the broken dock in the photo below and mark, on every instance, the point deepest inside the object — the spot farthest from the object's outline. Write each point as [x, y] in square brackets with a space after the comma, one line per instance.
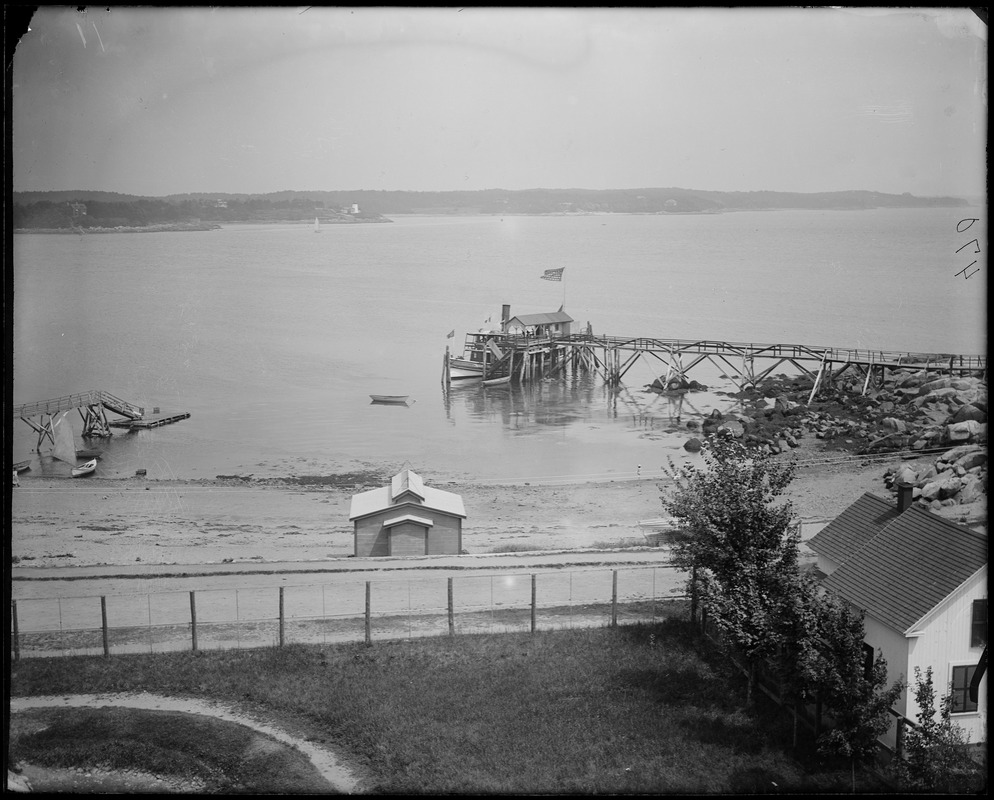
[93, 407]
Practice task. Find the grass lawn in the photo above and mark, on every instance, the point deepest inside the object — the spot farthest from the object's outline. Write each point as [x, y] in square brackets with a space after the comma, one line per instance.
[632, 709]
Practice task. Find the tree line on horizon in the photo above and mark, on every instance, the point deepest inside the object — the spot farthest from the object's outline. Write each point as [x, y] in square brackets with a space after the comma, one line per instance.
[62, 209]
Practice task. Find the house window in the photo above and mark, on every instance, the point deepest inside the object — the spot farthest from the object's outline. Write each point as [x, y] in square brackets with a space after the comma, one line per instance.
[960, 693]
[978, 625]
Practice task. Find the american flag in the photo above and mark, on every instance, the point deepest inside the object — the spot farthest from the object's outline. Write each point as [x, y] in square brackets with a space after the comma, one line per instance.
[553, 274]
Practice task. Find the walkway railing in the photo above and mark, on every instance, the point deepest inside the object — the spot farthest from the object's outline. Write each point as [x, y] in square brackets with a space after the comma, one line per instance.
[892, 358]
[81, 400]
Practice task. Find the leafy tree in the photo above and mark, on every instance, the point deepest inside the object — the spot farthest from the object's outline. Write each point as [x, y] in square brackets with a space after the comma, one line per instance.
[936, 758]
[736, 539]
[737, 544]
[860, 707]
[821, 642]
[726, 514]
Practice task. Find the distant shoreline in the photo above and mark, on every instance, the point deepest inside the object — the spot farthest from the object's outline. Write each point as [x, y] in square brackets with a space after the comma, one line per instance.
[193, 226]
[180, 228]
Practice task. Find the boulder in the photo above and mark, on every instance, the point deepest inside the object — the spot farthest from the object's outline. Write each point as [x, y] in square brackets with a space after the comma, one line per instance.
[894, 424]
[975, 459]
[733, 428]
[968, 412]
[971, 489]
[948, 487]
[947, 394]
[926, 475]
[930, 491]
[785, 405]
[905, 474]
[937, 383]
[692, 445]
[963, 431]
[957, 453]
[910, 380]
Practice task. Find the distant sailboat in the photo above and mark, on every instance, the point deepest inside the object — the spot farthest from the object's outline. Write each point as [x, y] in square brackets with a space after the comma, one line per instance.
[317, 226]
[65, 448]
[65, 443]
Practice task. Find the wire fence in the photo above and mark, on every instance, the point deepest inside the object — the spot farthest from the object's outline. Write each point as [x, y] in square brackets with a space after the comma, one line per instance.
[340, 611]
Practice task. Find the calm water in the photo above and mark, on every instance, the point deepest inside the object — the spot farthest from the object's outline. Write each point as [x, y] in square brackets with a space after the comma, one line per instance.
[273, 337]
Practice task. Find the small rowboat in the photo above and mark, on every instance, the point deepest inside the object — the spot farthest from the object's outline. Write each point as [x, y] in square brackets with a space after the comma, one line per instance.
[391, 399]
[84, 469]
[497, 381]
[22, 466]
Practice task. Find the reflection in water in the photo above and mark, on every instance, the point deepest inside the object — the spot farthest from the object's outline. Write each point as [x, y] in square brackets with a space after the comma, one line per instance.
[559, 403]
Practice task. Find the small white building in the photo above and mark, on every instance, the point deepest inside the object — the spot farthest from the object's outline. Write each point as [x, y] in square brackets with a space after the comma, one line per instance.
[555, 323]
[407, 518]
[921, 581]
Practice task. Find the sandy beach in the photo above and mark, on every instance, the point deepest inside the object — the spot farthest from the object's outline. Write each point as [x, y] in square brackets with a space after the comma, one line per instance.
[97, 521]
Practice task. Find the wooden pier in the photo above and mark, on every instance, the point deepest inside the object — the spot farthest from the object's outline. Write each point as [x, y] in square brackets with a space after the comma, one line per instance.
[746, 364]
[153, 421]
[93, 407]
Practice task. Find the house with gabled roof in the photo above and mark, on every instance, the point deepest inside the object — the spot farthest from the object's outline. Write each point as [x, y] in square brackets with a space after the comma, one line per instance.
[921, 581]
[554, 323]
[407, 518]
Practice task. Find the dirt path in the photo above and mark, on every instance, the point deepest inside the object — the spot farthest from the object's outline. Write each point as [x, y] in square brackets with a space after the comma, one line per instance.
[340, 777]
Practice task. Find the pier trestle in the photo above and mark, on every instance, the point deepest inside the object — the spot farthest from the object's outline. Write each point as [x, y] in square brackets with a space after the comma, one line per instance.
[745, 364]
[613, 357]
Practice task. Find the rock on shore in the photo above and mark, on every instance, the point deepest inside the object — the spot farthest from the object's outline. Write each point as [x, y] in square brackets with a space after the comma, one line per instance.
[958, 476]
[909, 409]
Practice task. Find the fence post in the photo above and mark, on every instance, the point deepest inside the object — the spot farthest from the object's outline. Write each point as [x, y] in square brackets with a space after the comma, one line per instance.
[614, 598]
[533, 602]
[281, 616]
[193, 619]
[103, 624]
[369, 634]
[452, 621]
[17, 638]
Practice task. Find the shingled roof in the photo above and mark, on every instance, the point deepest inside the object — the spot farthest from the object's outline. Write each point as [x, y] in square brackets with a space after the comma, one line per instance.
[853, 528]
[913, 563]
[541, 319]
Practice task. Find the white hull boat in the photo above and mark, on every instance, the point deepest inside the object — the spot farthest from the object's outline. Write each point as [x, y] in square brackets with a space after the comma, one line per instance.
[84, 469]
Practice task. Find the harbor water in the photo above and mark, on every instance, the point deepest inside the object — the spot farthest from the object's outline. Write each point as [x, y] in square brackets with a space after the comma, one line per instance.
[273, 337]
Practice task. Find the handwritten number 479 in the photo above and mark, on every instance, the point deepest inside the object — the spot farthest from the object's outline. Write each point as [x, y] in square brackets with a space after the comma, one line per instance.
[976, 244]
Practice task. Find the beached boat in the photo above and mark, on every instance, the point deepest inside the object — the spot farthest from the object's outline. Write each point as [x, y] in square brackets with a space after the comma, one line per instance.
[391, 399]
[84, 469]
[22, 466]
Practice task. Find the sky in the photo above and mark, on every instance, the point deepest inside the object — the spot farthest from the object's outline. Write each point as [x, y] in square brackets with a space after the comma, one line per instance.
[160, 101]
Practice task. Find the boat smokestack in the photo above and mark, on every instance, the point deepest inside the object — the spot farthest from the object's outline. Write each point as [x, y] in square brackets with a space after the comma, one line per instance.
[905, 496]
